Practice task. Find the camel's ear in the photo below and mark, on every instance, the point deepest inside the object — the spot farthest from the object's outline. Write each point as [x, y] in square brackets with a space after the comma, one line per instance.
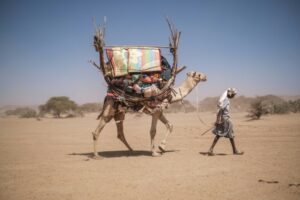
[191, 73]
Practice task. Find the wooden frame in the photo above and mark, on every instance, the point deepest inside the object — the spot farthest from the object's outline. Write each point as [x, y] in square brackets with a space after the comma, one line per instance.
[99, 45]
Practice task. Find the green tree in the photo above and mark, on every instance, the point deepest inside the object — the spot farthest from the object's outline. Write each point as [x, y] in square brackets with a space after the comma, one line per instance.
[58, 106]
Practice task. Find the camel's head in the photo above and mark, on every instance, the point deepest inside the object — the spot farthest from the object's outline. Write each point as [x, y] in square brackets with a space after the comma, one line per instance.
[196, 76]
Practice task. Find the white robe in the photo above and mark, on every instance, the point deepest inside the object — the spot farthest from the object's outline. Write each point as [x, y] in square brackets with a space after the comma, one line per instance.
[224, 104]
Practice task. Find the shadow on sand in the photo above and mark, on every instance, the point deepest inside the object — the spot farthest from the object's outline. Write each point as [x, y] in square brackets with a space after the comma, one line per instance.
[115, 154]
[215, 154]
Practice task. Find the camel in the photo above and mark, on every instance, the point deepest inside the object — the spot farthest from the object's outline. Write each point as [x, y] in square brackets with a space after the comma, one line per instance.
[112, 108]
[117, 101]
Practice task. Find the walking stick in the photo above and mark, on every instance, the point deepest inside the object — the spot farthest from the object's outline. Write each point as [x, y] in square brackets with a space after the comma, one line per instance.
[207, 130]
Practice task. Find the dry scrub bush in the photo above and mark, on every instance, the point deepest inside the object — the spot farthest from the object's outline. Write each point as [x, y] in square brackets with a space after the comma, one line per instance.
[271, 104]
[23, 112]
[257, 109]
[90, 107]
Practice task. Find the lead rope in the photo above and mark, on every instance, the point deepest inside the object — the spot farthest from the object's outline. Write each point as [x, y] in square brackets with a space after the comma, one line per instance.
[197, 106]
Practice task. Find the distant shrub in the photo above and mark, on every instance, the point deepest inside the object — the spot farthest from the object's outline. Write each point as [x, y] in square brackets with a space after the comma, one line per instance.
[75, 113]
[23, 112]
[258, 108]
[294, 106]
[281, 108]
[90, 107]
[271, 104]
[42, 110]
[184, 106]
[58, 106]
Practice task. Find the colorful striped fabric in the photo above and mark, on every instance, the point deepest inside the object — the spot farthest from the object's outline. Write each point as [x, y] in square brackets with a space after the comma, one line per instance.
[144, 60]
[118, 58]
[131, 60]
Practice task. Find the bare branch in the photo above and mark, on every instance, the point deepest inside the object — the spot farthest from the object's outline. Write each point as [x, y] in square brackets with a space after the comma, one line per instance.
[95, 65]
[180, 69]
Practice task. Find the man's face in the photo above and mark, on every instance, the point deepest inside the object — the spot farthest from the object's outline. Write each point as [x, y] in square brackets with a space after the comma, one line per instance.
[230, 95]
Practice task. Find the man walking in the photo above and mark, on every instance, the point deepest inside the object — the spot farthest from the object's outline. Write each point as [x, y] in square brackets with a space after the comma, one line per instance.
[223, 125]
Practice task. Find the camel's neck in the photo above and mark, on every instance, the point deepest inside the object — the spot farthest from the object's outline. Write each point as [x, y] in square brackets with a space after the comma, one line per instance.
[184, 89]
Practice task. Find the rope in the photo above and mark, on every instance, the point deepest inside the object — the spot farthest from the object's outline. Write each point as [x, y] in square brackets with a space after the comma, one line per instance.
[197, 102]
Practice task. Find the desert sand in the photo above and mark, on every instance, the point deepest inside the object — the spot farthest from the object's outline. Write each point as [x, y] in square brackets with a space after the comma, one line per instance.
[51, 160]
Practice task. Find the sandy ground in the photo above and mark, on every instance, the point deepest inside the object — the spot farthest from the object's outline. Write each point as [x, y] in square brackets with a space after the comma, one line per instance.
[50, 159]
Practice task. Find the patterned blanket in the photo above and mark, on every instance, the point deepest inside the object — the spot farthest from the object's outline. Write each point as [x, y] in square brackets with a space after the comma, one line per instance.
[131, 60]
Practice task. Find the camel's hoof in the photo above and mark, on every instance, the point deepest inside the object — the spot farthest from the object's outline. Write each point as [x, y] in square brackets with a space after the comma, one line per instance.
[156, 154]
[238, 153]
[210, 153]
[162, 148]
[97, 157]
[170, 127]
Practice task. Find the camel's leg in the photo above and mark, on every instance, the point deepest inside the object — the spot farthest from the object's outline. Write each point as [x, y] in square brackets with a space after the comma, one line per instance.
[155, 117]
[96, 134]
[169, 127]
[105, 116]
[119, 118]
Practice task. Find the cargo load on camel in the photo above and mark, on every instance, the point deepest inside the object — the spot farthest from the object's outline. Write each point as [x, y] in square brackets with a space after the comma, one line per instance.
[138, 71]
[138, 75]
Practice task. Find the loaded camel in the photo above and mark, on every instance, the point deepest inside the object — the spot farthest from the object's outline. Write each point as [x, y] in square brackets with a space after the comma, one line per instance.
[118, 100]
[112, 109]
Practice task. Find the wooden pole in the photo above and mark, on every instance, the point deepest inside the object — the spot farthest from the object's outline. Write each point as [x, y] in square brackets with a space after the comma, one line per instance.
[137, 46]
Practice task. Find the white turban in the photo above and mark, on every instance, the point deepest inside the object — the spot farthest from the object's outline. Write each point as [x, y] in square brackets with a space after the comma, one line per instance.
[232, 90]
[223, 101]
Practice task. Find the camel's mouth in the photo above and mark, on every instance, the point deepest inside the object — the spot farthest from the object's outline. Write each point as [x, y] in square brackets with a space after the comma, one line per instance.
[202, 77]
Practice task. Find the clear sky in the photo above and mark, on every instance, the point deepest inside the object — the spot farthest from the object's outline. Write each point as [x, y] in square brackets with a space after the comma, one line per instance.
[45, 46]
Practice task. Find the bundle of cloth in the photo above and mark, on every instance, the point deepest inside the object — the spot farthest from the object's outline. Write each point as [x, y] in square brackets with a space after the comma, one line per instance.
[134, 60]
[139, 71]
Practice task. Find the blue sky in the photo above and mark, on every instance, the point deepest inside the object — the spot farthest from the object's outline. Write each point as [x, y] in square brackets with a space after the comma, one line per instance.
[46, 45]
